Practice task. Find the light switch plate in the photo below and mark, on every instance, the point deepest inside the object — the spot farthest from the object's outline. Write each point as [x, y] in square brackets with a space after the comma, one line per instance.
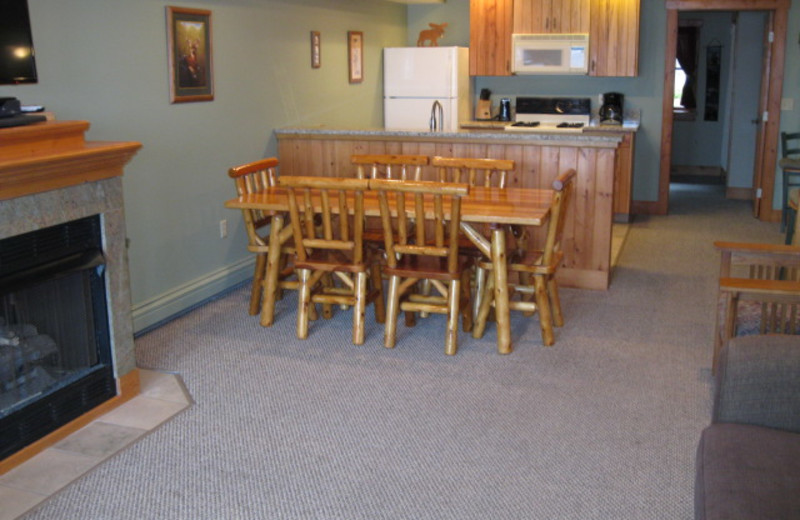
[787, 104]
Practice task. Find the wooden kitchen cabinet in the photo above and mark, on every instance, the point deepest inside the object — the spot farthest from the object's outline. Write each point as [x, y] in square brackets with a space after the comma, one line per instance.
[490, 25]
[551, 16]
[614, 38]
[613, 27]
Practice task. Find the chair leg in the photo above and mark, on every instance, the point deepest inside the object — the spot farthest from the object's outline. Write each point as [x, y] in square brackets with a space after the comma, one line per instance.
[466, 308]
[327, 308]
[303, 303]
[545, 316]
[453, 299]
[377, 285]
[257, 290]
[359, 309]
[483, 313]
[425, 289]
[555, 302]
[480, 283]
[725, 328]
[392, 308]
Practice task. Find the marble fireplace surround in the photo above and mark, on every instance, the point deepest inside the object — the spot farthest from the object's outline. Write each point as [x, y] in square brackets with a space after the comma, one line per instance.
[50, 175]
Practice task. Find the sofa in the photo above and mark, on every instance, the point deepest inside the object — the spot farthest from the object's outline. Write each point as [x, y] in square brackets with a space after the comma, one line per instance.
[748, 459]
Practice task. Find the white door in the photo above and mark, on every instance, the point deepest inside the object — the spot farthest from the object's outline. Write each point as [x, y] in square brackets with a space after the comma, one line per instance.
[746, 86]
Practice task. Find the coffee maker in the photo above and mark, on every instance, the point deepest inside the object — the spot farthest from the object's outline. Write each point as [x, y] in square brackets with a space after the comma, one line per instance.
[611, 110]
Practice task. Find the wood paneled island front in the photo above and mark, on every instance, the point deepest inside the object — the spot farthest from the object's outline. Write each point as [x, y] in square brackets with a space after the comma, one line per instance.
[539, 159]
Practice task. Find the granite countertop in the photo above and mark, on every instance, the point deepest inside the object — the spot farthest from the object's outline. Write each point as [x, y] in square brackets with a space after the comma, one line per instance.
[491, 132]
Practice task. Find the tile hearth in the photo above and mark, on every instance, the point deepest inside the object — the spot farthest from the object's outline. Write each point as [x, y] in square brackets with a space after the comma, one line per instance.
[162, 397]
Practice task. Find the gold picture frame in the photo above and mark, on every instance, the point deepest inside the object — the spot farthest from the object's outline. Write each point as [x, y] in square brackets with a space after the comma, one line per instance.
[316, 57]
[355, 53]
[189, 46]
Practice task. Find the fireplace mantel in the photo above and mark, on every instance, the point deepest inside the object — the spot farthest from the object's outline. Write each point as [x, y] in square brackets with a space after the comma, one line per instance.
[49, 174]
[54, 154]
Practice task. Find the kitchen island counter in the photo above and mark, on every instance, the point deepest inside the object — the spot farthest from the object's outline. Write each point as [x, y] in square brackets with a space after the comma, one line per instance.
[488, 134]
[539, 159]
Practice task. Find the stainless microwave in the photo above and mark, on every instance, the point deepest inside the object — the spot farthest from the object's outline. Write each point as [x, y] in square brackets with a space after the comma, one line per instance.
[550, 53]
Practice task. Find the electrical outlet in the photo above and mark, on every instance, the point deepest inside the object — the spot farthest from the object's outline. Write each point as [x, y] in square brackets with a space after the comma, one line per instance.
[787, 104]
[223, 228]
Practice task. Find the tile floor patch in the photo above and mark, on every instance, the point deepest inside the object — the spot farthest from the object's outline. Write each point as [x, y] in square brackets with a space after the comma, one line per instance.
[16, 502]
[100, 439]
[143, 412]
[48, 471]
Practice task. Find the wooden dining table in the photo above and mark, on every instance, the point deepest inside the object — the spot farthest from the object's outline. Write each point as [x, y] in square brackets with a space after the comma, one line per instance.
[497, 207]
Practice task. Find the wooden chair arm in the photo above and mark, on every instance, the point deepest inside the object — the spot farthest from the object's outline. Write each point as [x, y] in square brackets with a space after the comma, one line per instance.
[744, 247]
[755, 286]
[263, 164]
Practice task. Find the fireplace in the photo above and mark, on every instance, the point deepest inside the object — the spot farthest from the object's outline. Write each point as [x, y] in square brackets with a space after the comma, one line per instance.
[66, 334]
[55, 352]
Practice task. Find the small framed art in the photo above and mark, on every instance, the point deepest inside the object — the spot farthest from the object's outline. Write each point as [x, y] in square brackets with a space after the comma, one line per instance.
[189, 46]
[355, 52]
[316, 57]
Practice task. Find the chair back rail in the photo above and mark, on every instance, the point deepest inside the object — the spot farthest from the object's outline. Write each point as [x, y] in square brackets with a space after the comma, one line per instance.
[255, 177]
[563, 187]
[336, 200]
[473, 171]
[446, 226]
[790, 144]
[389, 166]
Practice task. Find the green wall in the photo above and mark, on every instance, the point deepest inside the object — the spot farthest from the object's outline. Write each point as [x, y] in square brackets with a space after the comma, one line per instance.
[105, 61]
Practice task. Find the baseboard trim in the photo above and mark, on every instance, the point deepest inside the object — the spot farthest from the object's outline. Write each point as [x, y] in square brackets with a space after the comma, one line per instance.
[177, 300]
[646, 207]
[739, 193]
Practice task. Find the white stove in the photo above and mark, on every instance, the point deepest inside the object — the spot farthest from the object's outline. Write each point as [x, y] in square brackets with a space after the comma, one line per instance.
[551, 115]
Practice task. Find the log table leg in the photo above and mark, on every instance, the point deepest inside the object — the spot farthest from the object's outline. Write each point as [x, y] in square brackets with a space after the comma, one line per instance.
[273, 271]
[500, 273]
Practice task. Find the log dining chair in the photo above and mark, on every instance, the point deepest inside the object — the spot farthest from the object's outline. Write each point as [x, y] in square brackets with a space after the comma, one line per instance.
[387, 166]
[790, 169]
[333, 249]
[538, 266]
[250, 178]
[476, 171]
[410, 259]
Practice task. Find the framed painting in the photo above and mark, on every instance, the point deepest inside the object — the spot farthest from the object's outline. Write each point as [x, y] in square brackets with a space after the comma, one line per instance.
[355, 52]
[316, 57]
[189, 46]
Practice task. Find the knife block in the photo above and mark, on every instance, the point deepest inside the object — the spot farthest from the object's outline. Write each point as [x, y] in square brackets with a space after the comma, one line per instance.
[483, 110]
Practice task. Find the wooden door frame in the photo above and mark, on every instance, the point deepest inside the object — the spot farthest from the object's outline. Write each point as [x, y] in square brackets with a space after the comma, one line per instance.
[772, 79]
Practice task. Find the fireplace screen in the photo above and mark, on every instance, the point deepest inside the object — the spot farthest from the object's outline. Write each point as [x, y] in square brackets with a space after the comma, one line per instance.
[54, 336]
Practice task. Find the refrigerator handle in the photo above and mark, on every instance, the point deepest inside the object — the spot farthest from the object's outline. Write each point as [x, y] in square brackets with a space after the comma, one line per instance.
[437, 117]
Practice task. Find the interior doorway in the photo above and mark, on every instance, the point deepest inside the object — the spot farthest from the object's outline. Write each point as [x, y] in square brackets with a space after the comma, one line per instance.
[771, 75]
[716, 105]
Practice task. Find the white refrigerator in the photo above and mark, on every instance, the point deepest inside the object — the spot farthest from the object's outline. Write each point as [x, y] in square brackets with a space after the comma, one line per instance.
[415, 77]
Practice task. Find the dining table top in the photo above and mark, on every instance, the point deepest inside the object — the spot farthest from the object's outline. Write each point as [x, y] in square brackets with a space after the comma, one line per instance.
[521, 206]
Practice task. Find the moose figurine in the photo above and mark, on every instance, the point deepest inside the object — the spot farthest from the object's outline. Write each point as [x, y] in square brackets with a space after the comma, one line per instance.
[431, 35]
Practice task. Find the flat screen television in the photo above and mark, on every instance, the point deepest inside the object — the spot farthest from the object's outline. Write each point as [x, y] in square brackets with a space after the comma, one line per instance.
[17, 57]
